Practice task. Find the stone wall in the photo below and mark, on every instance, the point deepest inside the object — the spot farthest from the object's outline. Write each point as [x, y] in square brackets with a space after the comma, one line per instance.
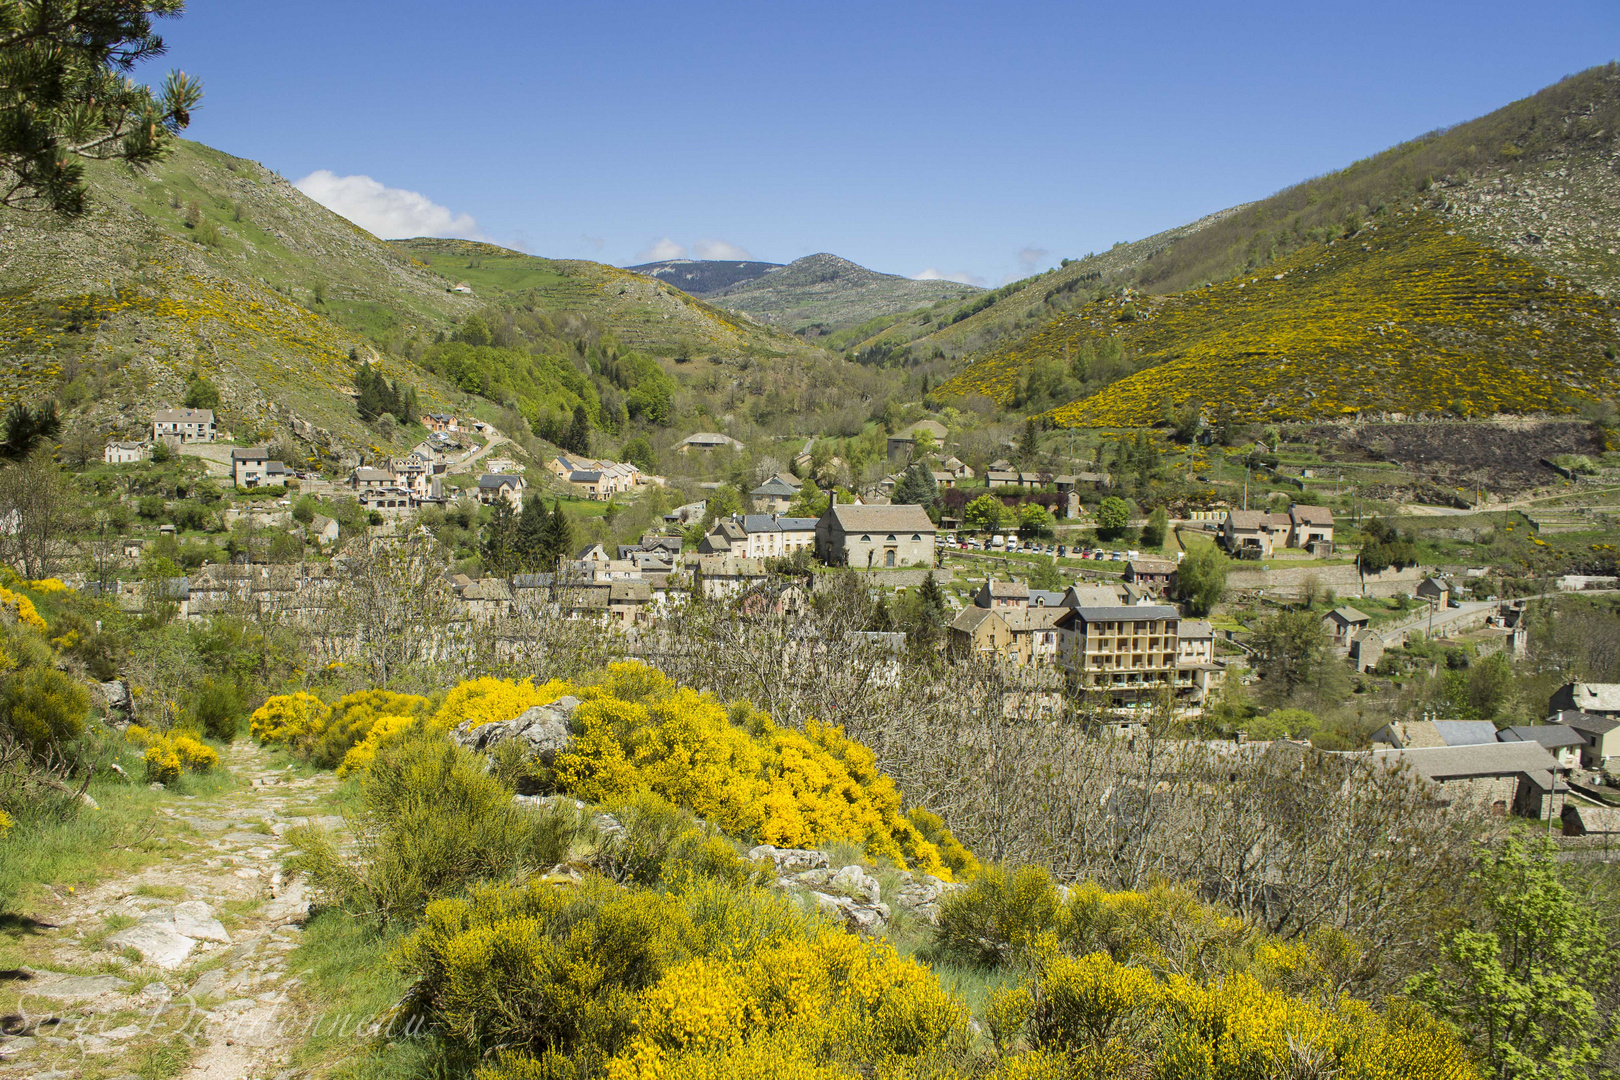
[1289, 582]
[903, 578]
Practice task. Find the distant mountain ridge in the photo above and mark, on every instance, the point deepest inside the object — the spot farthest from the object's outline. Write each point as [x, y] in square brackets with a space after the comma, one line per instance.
[704, 277]
[823, 293]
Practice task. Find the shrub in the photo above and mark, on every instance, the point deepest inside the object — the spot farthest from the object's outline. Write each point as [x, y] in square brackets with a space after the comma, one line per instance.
[43, 709]
[168, 754]
[630, 983]
[23, 608]
[1088, 1000]
[638, 731]
[288, 719]
[218, 710]
[1002, 917]
[490, 700]
[433, 820]
[351, 721]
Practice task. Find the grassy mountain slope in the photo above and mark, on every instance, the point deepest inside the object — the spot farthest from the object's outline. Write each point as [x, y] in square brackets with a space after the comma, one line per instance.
[1414, 281]
[213, 263]
[704, 277]
[954, 328]
[820, 294]
[1411, 317]
[643, 313]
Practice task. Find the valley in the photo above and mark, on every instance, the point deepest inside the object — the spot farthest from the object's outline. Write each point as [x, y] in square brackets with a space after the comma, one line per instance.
[421, 659]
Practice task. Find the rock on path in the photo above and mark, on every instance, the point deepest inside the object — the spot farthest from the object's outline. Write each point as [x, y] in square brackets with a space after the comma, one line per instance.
[190, 950]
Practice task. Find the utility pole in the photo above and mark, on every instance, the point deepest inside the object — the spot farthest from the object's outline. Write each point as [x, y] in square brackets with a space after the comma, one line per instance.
[1247, 469]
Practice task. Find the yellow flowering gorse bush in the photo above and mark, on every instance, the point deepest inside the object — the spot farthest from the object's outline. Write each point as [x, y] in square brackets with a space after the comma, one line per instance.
[23, 608]
[168, 754]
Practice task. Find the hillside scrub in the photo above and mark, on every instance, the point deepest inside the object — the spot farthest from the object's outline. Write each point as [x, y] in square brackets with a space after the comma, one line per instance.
[636, 730]
[1411, 318]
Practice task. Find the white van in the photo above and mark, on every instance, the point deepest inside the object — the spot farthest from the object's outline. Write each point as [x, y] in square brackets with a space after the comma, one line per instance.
[997, 541]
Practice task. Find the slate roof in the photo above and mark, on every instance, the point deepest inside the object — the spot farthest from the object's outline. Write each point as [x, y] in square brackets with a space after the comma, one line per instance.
[1348, 615]
[1151, 566]
[1311, 515]
[1587, 722]
[1604, 697]
[1480, 760]
[1195, 628]
[493, 481]
[896, 517]
[968, 620]
[1045, 598]
[1033, 618]
[775, 487]
[1092, 595]
[1128, 613]
[1466, 732]
[1552, 736]
[183, 416]
[252, 453]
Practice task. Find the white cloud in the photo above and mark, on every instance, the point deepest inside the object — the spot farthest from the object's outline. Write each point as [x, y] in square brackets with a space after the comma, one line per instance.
[391, 213]
[596, 242]
[720, 249]
[661, 251]
[962, 276]
[1033, 258]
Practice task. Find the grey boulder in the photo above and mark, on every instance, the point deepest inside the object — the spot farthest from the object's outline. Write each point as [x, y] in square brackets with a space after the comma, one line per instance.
[543, 729]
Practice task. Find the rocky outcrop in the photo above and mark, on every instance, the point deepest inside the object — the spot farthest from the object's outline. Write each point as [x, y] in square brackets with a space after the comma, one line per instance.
[789, 860]
[543, 729]
[119, 703]
[851, 894]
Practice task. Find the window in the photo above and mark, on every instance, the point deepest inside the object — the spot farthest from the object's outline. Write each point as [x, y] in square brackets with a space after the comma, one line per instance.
[866, 539]
[890, 538]
[916, 536]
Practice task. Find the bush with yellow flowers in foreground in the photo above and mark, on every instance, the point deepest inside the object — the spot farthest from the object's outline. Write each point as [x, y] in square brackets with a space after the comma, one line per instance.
[716, 979]
[636, 730]
[636, 984]
[170, 753]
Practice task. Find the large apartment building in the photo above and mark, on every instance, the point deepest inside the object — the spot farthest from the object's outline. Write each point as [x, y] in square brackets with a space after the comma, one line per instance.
[1129, 653]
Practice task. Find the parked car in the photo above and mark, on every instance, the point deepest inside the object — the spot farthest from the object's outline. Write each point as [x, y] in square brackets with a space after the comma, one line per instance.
[1062, 550]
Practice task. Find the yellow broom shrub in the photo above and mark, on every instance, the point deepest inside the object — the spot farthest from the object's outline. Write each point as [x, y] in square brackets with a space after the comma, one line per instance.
[638, 730]
[289, 719]
[168, 754]
[23, 608]
[490, 700]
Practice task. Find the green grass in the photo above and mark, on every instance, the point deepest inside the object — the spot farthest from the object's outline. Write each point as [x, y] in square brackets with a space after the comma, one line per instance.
[349, 978]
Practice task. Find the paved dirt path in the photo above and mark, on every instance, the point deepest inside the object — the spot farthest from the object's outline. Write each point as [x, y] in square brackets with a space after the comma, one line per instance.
[178, 970]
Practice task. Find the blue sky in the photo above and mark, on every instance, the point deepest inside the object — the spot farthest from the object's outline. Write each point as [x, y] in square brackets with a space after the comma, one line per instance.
[982, 141]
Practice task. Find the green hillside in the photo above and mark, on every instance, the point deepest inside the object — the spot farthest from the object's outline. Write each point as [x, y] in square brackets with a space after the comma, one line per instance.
[642, 312]
[822, 294]
[1408, 317]
[211, 263]
[1465, 271]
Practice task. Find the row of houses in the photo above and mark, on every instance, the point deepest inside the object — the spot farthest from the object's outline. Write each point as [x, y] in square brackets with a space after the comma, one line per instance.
[1517, 769]
[599, 478]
